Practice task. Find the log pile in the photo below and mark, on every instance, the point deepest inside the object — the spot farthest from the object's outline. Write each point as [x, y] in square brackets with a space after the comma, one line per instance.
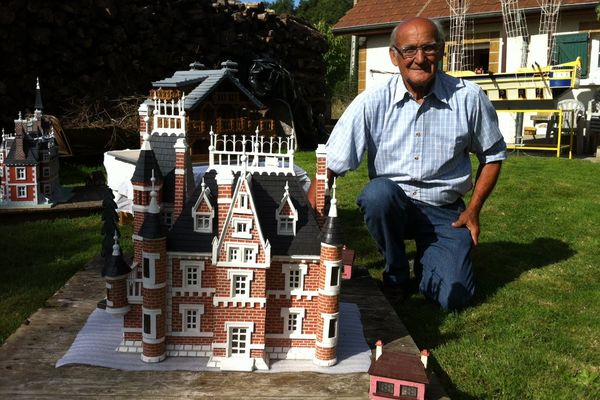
[97, 51]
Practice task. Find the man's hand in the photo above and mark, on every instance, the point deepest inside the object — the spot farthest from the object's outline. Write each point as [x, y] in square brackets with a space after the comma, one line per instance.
[470, 220]
[487, 175]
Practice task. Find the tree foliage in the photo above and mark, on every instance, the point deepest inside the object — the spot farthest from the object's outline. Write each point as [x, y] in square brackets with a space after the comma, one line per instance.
[337, 57]
[329, 11]
[282, 6]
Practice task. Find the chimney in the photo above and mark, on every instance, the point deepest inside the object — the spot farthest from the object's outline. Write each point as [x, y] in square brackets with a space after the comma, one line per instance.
[321, 189]
[424, 357]
[378, 349]
[224, 195]
[180, 178]
[19, 139]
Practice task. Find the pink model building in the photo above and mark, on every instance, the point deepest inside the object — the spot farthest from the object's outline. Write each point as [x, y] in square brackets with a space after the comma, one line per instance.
[397, 375]
[241, 270]
[29, 162]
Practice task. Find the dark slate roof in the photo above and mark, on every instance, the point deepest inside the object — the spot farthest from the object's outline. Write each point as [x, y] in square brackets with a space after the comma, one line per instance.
[115, 266]
[31, 154]
[206, 81]
[182, 236]
[152, 227]
[398, 365]
[267, 192]
[147, 163]
[332, 232]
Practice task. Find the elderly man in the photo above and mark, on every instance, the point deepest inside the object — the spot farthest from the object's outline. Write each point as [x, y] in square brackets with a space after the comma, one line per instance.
[418, 129]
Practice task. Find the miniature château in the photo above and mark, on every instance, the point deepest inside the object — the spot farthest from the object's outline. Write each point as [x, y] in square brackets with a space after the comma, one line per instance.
[29, 161]
[397, 375]
[214, 99]
[241, 270]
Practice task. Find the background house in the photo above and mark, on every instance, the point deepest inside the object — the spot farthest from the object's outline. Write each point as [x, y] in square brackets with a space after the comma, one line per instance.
[573, 30]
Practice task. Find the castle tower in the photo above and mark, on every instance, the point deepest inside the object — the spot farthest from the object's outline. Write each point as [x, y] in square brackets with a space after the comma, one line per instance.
[154, 272]
[329, 288]
[321, 177]
[116, 272]
[39, 106]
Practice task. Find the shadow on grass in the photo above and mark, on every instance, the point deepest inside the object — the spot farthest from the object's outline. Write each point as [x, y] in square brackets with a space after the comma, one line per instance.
[496, 265]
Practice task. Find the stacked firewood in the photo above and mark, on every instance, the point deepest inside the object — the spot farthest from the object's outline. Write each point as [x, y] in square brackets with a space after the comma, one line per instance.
[98, 51]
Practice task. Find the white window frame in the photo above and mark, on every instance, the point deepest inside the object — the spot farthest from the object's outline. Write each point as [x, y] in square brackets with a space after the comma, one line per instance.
[153, 315]
[287, 270]
[150, 282]
[242, 228]
[248, 277]
[286, 313]
[206, 226]
[328, 319]
[198, 309]
[21, 192]
[135, 284]
[286, 225]
[240, 252]
[185, 266]
[329, 267]
[21, 173]
[249, 326]
[168, 218]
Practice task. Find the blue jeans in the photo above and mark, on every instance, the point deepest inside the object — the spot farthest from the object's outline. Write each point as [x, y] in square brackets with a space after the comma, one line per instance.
[443, 262]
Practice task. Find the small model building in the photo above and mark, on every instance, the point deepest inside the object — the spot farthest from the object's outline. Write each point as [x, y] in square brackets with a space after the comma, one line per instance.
[240, 269]
[29, 162]
[214, 100]
[397, 375]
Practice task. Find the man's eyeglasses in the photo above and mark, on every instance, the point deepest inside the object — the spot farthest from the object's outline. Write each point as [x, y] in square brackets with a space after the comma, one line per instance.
[411, 51]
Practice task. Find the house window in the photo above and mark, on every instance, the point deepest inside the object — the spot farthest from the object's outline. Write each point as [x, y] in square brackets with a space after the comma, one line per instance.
[240, 282]
[249, 255]
[335, 276]
[191, 320]
[568, 47]
[295, 279]
[147, 324]
[292, 325]
[286, 225]
[191, 315]
[191, 275]
[21, 173]
[294, 276]
[292, 321]
[149, 269]
[47, 189]
[239, 341]
[332, 328]
[234, 254]
[46, 172]
[408, 391]
[243, 201]
[241, 228]
[45, 156]
[242, 253]
[203, 223]
[240, 286]
[21, 192]
[384, 388]
[134, 285]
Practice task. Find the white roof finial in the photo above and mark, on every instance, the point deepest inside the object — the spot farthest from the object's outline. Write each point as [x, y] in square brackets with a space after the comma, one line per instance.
[37, 83]
[333, 202]
[153, 208]
[116, 248]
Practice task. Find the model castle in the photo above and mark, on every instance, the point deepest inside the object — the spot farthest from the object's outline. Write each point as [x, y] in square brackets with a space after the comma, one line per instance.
[29, 161]
[239, 269]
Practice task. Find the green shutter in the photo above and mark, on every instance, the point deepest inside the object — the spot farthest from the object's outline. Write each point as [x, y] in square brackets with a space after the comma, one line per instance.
[569, 47]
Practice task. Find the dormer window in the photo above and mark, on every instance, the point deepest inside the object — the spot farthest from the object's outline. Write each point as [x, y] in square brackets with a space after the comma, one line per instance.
[243, 201]
[286, 215]
[203, 212]
[244, 253]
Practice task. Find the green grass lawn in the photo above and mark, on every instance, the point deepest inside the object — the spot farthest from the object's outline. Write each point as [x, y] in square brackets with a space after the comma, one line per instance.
[533, 332]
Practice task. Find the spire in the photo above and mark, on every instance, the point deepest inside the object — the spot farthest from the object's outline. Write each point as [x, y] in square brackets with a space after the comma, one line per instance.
[115, 265]
[38, 97]
[332, 231]
[153, 208]
[152, 227]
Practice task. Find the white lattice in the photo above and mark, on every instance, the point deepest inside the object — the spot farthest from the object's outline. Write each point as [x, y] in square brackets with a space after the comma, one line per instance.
[169, 116]
[458, 10]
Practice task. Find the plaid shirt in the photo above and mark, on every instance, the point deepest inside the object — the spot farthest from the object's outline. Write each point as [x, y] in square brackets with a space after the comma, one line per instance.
[425, 148]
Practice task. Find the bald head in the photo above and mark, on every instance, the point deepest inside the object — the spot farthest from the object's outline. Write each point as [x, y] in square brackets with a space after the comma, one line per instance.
[415, 21]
